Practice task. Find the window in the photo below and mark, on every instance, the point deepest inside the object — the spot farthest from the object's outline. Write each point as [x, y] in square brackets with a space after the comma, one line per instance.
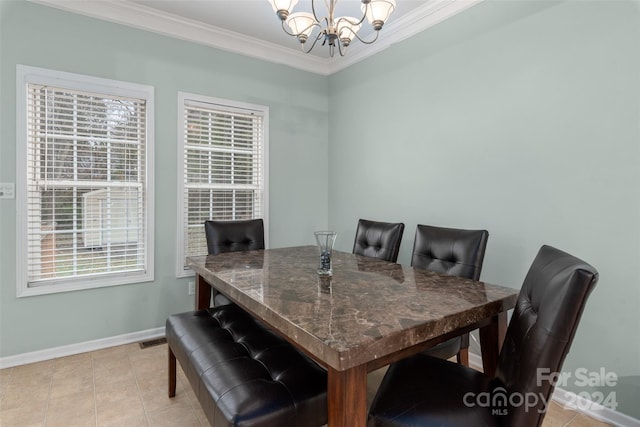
[84, 196]
[222, 168]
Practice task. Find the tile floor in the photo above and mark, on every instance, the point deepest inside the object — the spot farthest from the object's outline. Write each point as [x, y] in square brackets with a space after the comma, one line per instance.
[127, 386]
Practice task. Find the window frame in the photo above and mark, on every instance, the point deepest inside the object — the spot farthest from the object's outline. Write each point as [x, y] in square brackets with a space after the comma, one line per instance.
[228, 106]
[26, 75]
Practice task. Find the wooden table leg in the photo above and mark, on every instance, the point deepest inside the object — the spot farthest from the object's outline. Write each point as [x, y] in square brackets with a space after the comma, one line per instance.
[172, 373]
[203, 293]
[491, 340]
[347, 397]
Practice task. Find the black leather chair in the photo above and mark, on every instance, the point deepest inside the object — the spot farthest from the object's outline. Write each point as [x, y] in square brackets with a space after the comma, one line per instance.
[233, 236]
[428, 391]
[379, 240]
[454, 252]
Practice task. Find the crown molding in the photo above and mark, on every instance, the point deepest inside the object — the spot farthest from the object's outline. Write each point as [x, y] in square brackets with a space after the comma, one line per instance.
[149, 19]
[432, 12]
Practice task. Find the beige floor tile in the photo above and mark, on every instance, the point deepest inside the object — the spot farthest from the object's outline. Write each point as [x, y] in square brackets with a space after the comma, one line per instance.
[79, 419]
[22, 416]
[556, 416]
[181, 376]
[373, 382]
[35, 398]
[34, 368]
[148, 383]
[149, 370]
[202, 417]
[180, 414]
[120, 410]
[111, 352]
[155, 365]
[153, 376]
[5, 380]
[74, 362]
[186, 395]
[70, 420]
[153, 352]
[105, 376]
[123, 379]
[82, 369]
[5, 374]
[29, 380]
[80, 404]
[148, 352]
[188, 391]
[114, 392]
[155, 400]
[112, 364]
[135, 421]
[133, 347]
[68, 369]
[584, 421]
[72, 384]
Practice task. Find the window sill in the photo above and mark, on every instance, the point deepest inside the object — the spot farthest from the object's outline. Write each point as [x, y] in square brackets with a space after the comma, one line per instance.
[81, 284]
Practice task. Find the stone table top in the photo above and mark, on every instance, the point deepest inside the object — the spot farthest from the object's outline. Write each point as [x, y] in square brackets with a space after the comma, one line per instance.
[366, 310]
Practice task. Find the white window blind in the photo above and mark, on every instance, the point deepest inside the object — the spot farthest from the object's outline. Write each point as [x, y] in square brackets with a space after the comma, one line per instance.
[223, 168]
[86, 186]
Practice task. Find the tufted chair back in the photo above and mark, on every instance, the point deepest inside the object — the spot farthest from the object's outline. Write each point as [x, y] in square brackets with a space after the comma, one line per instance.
[450, 251]
[544, 322]
[454, 252]
[379, 240]
[232, 236]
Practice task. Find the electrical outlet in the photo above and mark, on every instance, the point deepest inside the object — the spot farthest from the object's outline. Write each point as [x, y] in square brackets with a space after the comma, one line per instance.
[7, 190]
[192, 288]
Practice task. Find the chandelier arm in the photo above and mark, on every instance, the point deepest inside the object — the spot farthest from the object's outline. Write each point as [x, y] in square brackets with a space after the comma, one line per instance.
[315, 15]
[315, 24]
[365, 41]
[340, 47]
[344, 18]
[318, 37]
[284, 28]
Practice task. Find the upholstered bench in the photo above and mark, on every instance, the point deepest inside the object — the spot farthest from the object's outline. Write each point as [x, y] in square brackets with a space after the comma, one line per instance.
[244, 374]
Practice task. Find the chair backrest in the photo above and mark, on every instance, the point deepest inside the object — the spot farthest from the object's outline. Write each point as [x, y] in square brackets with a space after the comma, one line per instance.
[232, 236]
[450, 251]
[541, 330]
[379, 240]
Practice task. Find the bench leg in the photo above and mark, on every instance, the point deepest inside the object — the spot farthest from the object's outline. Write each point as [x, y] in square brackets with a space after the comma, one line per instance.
[463, 356]
[172, 373]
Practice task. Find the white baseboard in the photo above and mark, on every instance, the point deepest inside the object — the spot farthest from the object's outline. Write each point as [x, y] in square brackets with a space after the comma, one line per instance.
[568, 400]
[83, 347]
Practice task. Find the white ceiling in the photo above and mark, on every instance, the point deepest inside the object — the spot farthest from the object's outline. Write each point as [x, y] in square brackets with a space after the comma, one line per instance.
[250, 27]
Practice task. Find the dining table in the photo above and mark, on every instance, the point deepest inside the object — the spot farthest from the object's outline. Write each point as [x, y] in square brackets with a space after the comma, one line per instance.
[366, 315]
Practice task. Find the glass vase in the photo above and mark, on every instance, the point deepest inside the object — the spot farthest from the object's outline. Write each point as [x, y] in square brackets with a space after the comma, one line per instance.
[325, 240]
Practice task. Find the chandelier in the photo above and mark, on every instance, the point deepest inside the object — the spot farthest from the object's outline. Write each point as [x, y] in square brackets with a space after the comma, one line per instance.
[336, 32]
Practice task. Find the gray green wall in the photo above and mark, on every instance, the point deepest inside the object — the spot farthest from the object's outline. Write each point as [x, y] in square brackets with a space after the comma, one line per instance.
[515, 116]
[44, 37]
